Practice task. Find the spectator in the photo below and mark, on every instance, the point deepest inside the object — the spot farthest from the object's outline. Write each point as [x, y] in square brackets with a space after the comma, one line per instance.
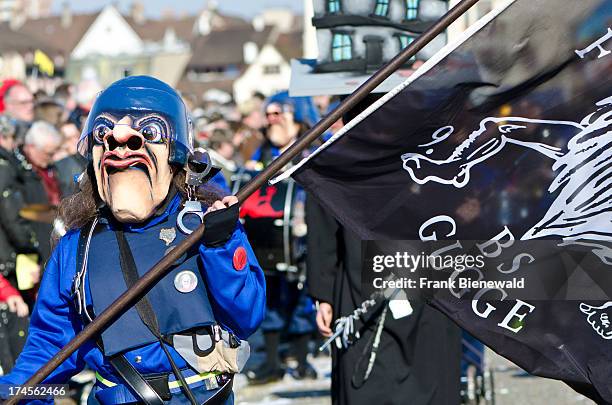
[16, 236]
[68, 162]
[48, 110]
[280, 132]
[64, 95]
[221, 151]
[19, 105]
[5, 85]
[38, 181]
[86, 93]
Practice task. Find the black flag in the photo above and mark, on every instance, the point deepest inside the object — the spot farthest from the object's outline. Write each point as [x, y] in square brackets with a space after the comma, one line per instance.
[503, 136]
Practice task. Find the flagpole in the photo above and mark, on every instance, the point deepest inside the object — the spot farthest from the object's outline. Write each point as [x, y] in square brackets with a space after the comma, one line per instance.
[161, 268]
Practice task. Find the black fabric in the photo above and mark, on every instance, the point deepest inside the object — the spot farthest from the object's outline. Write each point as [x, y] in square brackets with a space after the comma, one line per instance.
[272, 342]
[499, 136]
[300, 345]
[219, 226]
[160, 386]
[16, 233]
[13, 334]
[222, 394]
[418, 356]
[134, 379]
[33, 191]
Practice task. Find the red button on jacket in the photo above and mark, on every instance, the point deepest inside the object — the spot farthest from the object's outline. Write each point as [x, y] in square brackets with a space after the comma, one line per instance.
[240, 258]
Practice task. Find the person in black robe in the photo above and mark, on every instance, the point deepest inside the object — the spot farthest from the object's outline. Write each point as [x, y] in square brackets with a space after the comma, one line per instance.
[418, 358]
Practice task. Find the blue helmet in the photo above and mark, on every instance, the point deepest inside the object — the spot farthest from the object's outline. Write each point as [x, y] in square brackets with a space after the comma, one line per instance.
[136, 96]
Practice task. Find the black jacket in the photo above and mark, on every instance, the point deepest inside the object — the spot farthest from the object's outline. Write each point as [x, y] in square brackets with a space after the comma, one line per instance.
[16, 233]
[33, 192]
[419, 355]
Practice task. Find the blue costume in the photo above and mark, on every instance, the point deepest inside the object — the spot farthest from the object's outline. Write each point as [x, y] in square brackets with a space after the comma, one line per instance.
[290, 313]
[224, 293]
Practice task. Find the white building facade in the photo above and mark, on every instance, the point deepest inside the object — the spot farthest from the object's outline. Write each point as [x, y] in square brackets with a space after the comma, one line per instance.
[361, 35]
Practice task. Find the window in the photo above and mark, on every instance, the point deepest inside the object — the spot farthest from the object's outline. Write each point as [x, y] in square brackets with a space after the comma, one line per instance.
[412, 9]
[382, 8]
[333, 6]
[341, 47]
[271, 69]
[404, 41]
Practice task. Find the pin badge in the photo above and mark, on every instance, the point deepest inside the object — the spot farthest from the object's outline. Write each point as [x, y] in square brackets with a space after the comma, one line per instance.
[167, 235]
[186, 281]
[240, 258]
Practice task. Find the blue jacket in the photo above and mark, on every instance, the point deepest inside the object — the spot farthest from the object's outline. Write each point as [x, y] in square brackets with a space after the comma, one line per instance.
[237, 298]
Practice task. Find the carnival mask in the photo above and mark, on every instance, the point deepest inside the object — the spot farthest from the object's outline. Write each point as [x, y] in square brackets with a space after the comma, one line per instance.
[136, 131]
[130, 158]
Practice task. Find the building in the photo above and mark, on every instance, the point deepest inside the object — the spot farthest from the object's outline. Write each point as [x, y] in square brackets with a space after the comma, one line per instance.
[247, 58]
[17, 53]
[471, 16]
[361, 35]
[19, 10]
[270, 70]
[194, 53]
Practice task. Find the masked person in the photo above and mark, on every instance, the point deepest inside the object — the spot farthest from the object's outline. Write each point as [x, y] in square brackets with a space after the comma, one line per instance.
[182, 343]
[290, 314]
[287, 118]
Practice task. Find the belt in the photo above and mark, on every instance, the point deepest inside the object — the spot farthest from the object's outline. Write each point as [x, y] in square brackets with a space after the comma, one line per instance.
[165, 385]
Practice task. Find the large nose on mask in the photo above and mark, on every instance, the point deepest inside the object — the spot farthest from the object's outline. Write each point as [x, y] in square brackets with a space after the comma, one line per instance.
[125, 136]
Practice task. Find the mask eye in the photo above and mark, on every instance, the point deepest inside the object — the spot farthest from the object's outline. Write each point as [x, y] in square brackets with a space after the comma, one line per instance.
[100, 130]
[153, 130]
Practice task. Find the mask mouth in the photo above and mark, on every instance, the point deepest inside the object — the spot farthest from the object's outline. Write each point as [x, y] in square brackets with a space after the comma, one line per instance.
[113, 162]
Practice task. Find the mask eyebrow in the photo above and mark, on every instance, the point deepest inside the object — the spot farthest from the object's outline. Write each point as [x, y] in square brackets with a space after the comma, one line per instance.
[107, 116]
[140, 120]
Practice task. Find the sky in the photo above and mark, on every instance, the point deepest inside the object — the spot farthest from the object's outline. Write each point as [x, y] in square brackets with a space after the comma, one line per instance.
[154, 8]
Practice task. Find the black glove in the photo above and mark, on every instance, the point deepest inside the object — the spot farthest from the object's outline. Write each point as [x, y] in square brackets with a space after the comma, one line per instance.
[219, 226]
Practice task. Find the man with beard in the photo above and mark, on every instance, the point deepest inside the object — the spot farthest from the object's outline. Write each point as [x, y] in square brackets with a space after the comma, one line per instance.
[280, 132]
[140, 197]
[289, 310]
